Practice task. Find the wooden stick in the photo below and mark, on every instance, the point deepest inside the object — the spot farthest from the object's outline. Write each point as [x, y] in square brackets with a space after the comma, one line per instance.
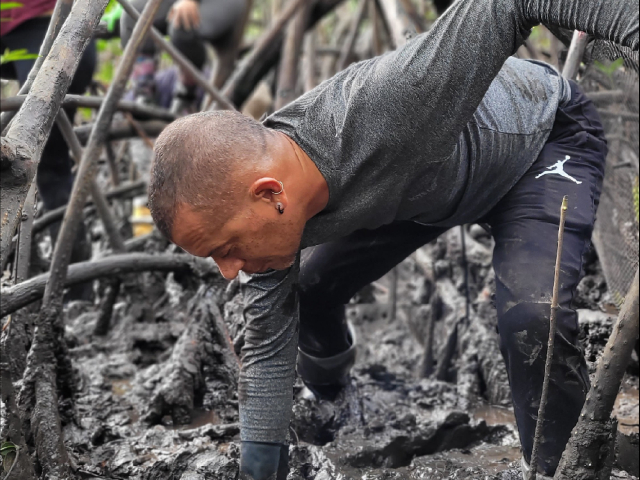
[310, 61]
[102, 206]
[345, 54]
[574, 56]
[261, 45]
[588, 451]
[248, 75]
[25, 232]
[39, 387]
[288, 72]
[18, 296]
[122, 129]
[550, 344]
[75, 101]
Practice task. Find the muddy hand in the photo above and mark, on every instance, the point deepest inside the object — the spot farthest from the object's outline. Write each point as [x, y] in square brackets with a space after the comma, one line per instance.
[185, 14]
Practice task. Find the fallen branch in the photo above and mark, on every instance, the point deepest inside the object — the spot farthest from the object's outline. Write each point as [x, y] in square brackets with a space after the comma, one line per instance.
[47, 358]
[588, 452]
[244, 81]
[18, 296]
[551, 342]
[262, 45]
[347, 49]
[77, 101]
[120, 130]
[288, 71]
[125, 190]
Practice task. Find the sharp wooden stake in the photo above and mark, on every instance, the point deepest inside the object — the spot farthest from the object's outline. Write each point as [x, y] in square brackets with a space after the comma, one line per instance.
[552, 335]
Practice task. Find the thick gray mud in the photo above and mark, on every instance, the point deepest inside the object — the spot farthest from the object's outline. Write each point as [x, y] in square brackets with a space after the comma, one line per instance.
[154, 398]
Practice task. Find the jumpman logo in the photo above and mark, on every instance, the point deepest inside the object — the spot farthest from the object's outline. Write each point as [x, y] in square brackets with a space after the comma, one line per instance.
[558, 168]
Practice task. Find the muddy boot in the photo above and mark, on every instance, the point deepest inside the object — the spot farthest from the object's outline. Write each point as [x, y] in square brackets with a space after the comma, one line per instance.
[325, 377]
[526, 469]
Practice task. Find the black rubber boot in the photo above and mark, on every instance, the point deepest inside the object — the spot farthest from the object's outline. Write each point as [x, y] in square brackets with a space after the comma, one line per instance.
[325, 377]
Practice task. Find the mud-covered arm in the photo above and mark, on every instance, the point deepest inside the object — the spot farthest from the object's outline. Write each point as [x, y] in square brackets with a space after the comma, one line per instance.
[437, 80]
[265, 388]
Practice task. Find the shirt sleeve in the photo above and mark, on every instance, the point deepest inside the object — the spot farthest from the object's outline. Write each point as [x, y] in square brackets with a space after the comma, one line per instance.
[427, 90]
[265, 388]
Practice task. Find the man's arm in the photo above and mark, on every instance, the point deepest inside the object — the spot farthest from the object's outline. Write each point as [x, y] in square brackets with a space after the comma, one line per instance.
[266, 381]
[442, 76]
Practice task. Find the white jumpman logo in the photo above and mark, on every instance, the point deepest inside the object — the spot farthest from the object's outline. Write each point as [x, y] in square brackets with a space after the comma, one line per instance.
[558, 168]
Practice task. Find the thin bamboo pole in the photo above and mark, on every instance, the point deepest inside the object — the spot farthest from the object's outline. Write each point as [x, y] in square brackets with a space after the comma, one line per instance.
[550, 344]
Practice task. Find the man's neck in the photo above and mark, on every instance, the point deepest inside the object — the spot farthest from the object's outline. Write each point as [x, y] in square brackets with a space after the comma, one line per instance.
[305, 182]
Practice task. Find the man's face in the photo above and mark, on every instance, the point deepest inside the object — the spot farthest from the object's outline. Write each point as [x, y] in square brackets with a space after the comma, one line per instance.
[254, 240]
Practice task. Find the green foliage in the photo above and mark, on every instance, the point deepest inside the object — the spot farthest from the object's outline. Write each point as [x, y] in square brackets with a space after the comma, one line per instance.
[112, 15]
[110, 52]
[9, 5]
[6, 448]
[8, 451]
[608, 70]
[15, 55]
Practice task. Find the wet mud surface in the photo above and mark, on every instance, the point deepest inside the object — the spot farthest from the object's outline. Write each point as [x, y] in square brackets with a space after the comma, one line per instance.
[155, 400]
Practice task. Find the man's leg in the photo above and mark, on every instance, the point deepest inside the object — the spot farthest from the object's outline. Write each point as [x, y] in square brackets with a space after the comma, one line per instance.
[332, 273]
[525, 228]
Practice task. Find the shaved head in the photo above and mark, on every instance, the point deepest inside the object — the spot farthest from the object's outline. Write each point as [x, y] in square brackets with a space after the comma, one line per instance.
[196, 161]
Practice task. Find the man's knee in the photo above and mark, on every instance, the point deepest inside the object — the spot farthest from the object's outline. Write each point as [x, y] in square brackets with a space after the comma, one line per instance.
[524, 328]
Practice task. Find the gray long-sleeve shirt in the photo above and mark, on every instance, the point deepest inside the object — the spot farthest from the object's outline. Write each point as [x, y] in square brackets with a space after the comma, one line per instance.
[437, 132]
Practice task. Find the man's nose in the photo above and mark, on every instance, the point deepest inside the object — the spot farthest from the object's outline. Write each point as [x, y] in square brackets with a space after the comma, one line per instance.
[229, 267]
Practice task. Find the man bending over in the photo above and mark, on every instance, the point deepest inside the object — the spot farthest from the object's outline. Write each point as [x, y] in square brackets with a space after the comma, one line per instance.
[376, 162]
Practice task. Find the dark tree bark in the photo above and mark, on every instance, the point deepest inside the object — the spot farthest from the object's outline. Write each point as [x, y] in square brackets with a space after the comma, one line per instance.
[13, 298]
[119, 130]
[244, 81]
[75, 101]
[589, 451]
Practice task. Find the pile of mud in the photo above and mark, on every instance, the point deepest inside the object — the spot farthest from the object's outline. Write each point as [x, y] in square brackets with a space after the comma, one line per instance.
[156, 395]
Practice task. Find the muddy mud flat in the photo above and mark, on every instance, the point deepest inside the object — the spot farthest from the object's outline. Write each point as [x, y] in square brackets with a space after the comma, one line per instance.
[155, 397]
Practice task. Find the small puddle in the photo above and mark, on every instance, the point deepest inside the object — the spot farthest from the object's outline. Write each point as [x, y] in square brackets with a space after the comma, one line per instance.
[200, 418]
[494, 415]
[120, 387]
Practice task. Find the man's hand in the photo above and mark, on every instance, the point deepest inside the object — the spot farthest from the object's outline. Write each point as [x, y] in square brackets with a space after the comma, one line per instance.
[185, 14]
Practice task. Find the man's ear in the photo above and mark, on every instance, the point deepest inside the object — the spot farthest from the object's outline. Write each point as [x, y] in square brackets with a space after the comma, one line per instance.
[269, 190]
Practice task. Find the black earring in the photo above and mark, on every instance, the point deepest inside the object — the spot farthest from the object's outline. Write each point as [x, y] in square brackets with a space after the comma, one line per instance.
[280, 208]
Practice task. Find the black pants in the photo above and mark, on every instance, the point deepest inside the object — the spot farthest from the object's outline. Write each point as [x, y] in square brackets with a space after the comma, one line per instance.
[54, 170]
[524, 225]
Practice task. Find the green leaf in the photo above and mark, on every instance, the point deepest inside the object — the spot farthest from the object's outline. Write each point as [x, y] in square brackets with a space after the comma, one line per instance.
[610, 68]
[6, 448]
[9, 5]
[15, 55]
[112, 16]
